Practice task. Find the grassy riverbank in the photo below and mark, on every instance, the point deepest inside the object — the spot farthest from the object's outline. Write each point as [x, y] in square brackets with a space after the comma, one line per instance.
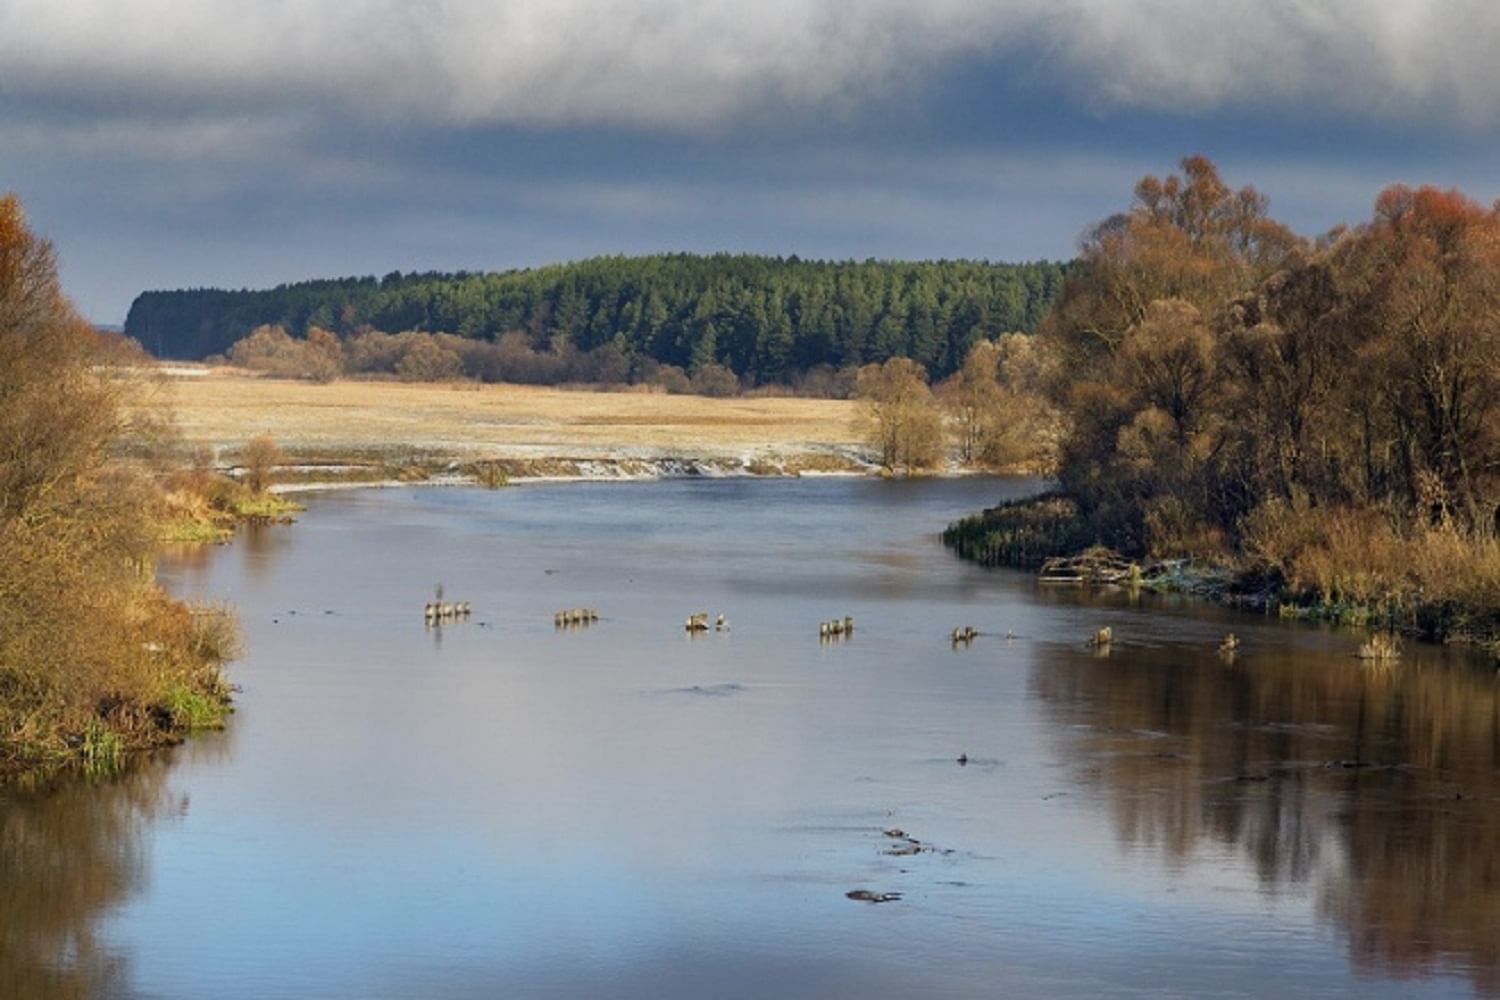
[96, 659]
[1327, 566]
[206, 507]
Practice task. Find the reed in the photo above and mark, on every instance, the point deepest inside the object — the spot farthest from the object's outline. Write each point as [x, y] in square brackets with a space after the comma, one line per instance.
[1022, 534]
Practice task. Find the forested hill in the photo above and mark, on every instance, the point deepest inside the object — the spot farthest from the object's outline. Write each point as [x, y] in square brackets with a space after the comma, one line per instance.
[767, 318]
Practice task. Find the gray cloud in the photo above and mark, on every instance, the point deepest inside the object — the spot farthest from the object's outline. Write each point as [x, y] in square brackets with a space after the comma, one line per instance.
[195, 138]
[164, 143]
[698, 64]
[1378, 58]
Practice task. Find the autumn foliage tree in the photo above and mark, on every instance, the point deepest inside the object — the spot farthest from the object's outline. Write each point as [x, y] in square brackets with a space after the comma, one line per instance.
[1332, 406]
[905, 425]
[88, 642]
[1424, 279]
[974, 401]
[1188, 237]
[997, 415]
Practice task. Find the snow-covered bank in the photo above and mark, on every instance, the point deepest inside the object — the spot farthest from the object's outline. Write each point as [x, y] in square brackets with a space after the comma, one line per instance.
[307, 478]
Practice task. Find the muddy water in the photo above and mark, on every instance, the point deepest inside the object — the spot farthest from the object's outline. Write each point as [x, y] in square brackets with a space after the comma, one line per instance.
[499, 808]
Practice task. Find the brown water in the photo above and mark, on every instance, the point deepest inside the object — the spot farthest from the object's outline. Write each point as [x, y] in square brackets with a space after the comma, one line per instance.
[497, 808]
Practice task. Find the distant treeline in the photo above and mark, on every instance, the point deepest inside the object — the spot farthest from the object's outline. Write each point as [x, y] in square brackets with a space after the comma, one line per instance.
[768, 319]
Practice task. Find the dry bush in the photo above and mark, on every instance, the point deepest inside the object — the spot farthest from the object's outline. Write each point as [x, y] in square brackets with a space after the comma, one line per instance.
[1022, 432]
[673, 379]
[214, 635]
[996, 414]
[607, 364]
[1452, 565]
[715, 380]
[262, 456]
[826, 382]
[481, 359]
[1025, 365]
[645, 388]
[427, 362]
[771, 390]
[325, 354]
[517, 361]
[1443, 581]
[371, 352]
[416, 356]
[1174, 530]
[262, 348]
[272, 350]
[1310, 546]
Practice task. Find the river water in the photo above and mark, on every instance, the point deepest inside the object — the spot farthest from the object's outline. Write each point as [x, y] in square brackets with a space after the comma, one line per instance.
[500, 808]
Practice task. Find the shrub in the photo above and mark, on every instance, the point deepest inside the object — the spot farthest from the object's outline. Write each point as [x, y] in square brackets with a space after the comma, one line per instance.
[715, 380]
[673, 379]
[427, 362]
[262, 456]
[272, 350]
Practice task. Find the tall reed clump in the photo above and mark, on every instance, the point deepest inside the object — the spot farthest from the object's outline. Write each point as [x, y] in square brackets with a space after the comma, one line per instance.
[90, 646]
[1023, 534]
[1359, 566]
[491, 475]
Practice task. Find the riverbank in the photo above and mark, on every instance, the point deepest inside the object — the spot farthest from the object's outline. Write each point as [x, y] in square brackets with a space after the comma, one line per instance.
[375, 470]
[373, 432]
[1434, 587]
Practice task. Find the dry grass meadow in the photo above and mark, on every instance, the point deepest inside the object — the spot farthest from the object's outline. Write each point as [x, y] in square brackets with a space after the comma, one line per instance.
[225, 408]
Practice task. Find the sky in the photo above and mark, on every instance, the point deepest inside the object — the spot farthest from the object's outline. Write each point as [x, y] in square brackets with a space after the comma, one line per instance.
[190, 143]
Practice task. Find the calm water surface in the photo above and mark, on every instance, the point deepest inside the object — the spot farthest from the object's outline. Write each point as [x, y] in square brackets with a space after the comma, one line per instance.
[498, 808]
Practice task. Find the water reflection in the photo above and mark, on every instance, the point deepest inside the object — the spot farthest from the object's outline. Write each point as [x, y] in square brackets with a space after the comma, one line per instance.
[67, 856]
[1379, 788]
[262, 545]
[187, 559]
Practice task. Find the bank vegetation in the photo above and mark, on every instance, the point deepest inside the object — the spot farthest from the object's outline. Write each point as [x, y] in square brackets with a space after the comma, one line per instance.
[95, 659]
[1322, 414]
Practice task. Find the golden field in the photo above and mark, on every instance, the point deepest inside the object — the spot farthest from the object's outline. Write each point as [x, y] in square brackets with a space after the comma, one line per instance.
[354, 420]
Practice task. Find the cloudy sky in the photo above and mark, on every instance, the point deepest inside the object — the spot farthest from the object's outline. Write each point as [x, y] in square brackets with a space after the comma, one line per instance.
[171, 143]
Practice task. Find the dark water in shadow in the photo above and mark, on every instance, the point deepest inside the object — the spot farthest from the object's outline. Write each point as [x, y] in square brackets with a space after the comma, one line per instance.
[499, 808]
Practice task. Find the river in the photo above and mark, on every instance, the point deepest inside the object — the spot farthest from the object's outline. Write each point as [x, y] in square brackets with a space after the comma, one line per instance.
[498, 807]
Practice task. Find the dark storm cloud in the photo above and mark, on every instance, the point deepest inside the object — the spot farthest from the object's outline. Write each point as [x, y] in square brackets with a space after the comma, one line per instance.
[684, 64]
[169, 143]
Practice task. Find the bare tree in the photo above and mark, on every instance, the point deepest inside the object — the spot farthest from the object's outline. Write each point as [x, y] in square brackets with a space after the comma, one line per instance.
[903, 421]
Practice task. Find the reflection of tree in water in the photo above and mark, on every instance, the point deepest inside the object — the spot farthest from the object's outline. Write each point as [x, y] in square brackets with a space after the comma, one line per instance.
[262, 543]
[66, 857]
[1383, 785]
